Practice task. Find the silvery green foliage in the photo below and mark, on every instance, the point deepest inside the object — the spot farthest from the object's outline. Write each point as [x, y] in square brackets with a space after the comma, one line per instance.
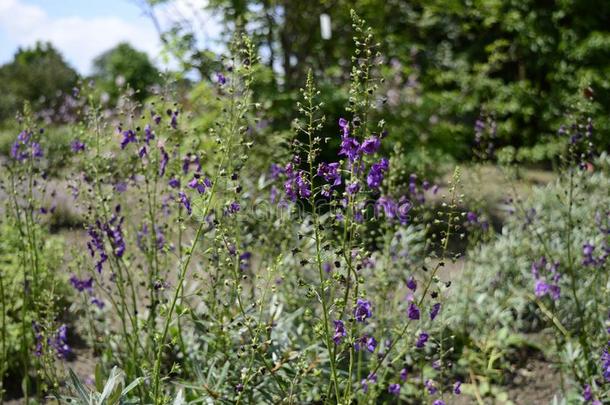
[497, 291]
[112, 391]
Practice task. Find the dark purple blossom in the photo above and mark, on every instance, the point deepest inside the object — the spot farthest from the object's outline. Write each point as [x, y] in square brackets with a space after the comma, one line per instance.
[431, 387]
[394, 389]
[330, 173]
[149, 135]
[438, 402]
[363, 310]
[605, 364]
[421, 340]
[457, 388]
[220, 78]
[403, 375]
[129, 136]
[366, 341]
[353, 188]
[200, 184]
[233, 208]
[185, 201]
[542, 285]
[413, 311]
[411, 283]
[370, 145]
[60, 342]
[435, 310]
[174, 182]
[77, 146]
[164, 161]
[174, 119]
[376, 174]
[340, 332]
[370, 379]
[82, 285]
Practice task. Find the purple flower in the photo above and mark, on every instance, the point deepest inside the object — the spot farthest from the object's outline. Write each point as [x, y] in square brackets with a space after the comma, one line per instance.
[297, 186]
[244, 260]
[431, 387]
[370, 145]
[36, 150]
[340, 332]
[185, 201]
[434, 311]
[371, 378]
[129, 136]
[82, 285]
[353, 188]
[60, 342]
[174, 182]
[438, 402]
[220, 78]
[142, 152]
[329, 172]
[376, 174]
[586, 394]
[457, 388]
[403, 375]
[174, 119]
[413, 312]
[350, 148]
[275, 171]
[233, 207]
[96, 246]
[542, 286]
[120, 187]
[77, 146]
[149, 135]
[404, 207]
[412, 284]
[200, 184]
[605, 360]
[421, 340]
[394, 389]
[367, 341]
[362, 311]
[471, 217]
[163, 163]
[388, 205]
[97, 302]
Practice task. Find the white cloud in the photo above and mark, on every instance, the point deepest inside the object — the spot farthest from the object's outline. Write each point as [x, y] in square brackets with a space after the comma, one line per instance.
[79, 39]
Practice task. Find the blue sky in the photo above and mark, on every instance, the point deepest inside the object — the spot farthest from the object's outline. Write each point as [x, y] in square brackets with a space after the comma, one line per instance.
[82, 29]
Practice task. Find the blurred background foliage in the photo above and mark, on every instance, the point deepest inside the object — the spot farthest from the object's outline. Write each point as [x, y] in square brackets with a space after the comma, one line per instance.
[521, 63]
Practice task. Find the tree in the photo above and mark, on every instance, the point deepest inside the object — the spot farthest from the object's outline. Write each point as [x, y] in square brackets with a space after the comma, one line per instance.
[125, 65]
[39, 75]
